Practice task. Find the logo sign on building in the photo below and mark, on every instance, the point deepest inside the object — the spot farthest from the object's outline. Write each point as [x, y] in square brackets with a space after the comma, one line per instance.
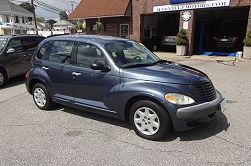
[192, 5]
[186, 16]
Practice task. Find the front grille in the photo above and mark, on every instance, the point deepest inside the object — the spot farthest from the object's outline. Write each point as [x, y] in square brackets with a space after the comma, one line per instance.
[206, 91]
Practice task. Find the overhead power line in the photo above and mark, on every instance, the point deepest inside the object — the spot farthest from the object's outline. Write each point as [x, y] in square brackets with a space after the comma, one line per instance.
[55, 12]
[48, 6]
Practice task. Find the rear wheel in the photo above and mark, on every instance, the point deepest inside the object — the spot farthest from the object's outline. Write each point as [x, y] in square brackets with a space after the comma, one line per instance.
[3, 78]
[41, 97]
[149, 120]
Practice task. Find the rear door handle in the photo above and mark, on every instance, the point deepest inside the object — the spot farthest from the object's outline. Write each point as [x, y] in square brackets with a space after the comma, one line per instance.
[45, 68]
[76, 74]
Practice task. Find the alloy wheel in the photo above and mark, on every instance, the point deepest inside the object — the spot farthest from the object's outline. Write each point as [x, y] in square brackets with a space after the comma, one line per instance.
[39, 97]
[146, 121]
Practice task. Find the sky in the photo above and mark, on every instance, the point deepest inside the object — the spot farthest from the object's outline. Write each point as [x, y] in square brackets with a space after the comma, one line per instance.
[61, 4]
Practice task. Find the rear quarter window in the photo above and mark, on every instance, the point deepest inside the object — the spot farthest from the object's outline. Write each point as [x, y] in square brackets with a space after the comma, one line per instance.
[43, 51]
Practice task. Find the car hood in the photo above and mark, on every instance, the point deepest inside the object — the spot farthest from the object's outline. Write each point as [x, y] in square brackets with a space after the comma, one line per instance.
[168, 72]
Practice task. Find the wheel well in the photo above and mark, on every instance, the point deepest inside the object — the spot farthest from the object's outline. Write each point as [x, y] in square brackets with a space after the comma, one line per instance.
[138, 98]
[34, 82]
[5, 72]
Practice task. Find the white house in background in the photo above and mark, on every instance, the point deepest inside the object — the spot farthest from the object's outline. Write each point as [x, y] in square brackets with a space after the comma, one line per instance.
[15, 19]
[63, 26]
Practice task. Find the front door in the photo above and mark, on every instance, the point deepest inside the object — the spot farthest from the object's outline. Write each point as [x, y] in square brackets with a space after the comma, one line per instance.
[15, 61]
[92, 88]
[57, 65]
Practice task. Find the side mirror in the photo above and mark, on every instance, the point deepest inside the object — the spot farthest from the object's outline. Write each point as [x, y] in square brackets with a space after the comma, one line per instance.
[100, 66]
[10, 50]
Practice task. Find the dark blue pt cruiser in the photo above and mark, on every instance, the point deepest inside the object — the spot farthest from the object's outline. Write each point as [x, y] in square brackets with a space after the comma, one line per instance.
[120, 78]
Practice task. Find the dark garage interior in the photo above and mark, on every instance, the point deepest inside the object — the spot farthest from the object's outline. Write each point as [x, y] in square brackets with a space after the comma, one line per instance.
[220, 30]
[159, 31]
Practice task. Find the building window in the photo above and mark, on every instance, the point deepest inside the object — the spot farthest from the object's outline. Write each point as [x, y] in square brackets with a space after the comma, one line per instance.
[124, 30]
[16, 19]
[94, 27]
[30, 20]
[7, 19]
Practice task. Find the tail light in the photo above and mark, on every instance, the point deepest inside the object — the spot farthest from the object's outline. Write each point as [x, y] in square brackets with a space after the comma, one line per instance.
[27, 75]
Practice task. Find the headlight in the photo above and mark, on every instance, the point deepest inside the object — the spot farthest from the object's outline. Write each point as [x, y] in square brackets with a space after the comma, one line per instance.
[179, 99]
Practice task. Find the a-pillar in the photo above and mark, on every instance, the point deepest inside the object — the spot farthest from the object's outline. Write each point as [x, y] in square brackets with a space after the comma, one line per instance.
[187, 22]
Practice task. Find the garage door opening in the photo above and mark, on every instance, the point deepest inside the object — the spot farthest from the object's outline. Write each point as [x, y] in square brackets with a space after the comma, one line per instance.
[220, 32]
[158, 31]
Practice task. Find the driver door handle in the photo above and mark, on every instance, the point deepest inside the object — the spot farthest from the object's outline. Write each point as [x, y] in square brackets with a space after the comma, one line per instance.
[76, 74]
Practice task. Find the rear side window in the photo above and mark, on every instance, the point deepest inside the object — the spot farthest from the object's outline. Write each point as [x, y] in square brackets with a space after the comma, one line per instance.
[39, 39]
[60, 52]
[16, 44]
[29, 43]
[88, 54]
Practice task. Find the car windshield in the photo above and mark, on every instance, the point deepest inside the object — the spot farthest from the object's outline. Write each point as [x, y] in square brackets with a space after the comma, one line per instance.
[3, 42]
[130, 54]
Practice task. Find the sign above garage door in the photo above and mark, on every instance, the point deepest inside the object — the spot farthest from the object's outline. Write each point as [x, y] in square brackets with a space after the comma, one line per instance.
[192, 5]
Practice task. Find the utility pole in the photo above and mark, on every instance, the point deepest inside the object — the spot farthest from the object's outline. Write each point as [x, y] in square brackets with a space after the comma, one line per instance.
[34, 15]
[72, 3]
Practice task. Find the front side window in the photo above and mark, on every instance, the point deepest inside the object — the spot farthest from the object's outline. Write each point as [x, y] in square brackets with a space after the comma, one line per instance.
[15, 44]
[129, 53]
[88, 54]
[60, 52]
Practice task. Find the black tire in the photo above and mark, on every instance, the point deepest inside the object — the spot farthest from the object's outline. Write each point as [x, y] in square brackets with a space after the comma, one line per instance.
[4, 77]
[163, 119]
[49, 103]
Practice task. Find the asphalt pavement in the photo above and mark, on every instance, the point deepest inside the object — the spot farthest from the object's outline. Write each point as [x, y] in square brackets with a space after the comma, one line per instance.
[66, 136]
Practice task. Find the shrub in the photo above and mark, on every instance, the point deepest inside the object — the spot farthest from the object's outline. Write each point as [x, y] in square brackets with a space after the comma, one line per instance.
[247, 40]
[100, 26]
[181, 38]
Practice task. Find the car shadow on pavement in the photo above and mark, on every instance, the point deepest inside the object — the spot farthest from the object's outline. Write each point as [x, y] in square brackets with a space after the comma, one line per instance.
[94, 116]
[217, 125]
[15, 81]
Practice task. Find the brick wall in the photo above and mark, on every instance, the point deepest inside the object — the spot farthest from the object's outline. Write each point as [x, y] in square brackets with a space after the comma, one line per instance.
[111, 25]
[146, 7]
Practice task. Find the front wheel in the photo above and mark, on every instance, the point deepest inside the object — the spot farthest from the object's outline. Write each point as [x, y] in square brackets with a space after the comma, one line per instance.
[41, 97]
[149, 120]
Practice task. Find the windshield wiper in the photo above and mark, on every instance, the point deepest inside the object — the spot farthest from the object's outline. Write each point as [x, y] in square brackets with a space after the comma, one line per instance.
[159, 61]
[137, 65]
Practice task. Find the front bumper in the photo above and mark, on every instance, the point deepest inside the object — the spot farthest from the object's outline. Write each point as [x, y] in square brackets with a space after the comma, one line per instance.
[200, 111]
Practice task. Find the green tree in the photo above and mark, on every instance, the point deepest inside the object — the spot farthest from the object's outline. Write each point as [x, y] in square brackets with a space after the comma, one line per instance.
[51, 22]
[63, 15]
[27, 6]
[40, 19]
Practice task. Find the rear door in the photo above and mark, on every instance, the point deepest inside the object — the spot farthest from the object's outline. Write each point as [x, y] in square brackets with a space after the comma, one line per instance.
[29, 46]
[57, 65]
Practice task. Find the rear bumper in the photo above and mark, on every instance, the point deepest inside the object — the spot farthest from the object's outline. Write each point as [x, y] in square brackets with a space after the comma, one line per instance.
[201, 110]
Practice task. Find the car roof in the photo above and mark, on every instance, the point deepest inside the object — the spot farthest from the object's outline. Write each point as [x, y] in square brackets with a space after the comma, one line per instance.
[90, 38]
[14, 36]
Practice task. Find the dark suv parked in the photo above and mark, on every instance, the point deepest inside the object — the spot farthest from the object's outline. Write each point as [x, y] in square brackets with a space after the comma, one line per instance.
[122, 79]
[15, 55]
